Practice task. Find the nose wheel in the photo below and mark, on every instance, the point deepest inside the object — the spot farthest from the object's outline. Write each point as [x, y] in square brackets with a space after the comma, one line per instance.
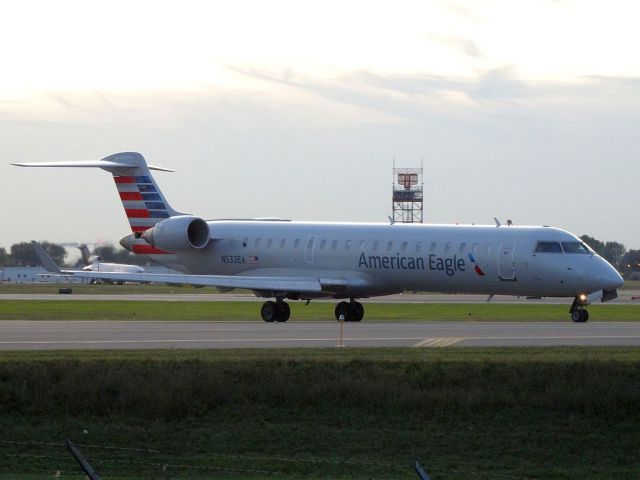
[578, 312]
[349, 311]
[275, 311]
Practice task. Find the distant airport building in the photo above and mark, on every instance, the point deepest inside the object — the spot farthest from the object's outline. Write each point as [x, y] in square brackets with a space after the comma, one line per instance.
[34, 275]
[40, 275]
[407, 203]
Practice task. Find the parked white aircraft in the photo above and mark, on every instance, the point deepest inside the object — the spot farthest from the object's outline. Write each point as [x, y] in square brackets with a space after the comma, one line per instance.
[94, 263]
[281, 259]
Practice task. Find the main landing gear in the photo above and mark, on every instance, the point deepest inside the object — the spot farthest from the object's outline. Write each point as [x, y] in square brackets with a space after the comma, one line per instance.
[277, 311]
[578, 312]
[349, 311]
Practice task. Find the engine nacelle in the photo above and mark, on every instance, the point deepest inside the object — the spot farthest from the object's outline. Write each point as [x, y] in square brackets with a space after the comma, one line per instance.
[178, 233]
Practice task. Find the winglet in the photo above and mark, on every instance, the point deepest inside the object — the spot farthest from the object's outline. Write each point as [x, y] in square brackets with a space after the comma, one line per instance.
[45, 259]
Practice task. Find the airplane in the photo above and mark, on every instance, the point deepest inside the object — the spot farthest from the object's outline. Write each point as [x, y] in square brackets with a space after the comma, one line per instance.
[94, 263]
[290, 260]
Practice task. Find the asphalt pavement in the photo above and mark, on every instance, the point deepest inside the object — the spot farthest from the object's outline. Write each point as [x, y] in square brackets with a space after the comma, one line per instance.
[99, 335]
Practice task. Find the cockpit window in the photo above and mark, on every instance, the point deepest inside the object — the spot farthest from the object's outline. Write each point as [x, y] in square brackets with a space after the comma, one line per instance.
[548, 247]
[575, 247]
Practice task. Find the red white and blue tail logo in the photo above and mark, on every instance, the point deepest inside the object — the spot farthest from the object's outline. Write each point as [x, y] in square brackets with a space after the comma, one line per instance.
[144, 206]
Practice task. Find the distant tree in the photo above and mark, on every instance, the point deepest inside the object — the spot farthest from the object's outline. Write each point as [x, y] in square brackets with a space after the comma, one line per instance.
[24, 255]
[5, 259]
[597, 245]
[106, 252]
[611, 251]
[630, 263]
[614, 252]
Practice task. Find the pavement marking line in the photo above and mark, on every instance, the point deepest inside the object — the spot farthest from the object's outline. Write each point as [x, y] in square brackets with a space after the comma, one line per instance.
[439, 341]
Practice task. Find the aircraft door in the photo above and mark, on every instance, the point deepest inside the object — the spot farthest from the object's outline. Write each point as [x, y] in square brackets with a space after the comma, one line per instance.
[308, 252]
[506, 262]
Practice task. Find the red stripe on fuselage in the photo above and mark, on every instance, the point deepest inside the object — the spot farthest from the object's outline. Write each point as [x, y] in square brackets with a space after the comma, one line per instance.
[130, 196]
[124, 179]
[136, 213]
[148, 250]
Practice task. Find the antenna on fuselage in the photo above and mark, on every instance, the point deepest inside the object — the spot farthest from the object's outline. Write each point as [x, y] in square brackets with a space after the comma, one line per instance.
[498, 224]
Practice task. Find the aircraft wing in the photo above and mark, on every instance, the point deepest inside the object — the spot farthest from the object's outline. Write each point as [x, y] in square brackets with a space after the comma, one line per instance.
[275, 284]
[285, 284]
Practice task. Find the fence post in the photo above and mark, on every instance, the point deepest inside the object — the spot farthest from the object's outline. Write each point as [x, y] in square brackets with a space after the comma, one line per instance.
[421, 473]
[86, 468]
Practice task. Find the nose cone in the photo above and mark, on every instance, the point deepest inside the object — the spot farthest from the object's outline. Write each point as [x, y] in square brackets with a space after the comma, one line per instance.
[603, 276]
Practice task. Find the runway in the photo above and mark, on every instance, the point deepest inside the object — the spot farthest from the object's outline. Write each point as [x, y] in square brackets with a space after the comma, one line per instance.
[101, 335]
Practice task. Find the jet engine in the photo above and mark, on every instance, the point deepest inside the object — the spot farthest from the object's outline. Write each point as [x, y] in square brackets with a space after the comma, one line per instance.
[178, 233]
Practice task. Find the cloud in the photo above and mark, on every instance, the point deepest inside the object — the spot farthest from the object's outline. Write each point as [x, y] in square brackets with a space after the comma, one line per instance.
[464, 45]
[459, 10]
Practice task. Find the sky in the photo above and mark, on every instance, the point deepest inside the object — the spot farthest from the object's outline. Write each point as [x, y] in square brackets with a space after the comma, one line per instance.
[523, 110]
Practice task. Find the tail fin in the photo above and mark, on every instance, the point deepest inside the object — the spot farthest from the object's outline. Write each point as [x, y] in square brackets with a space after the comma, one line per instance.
[143, 202]
[86, 255]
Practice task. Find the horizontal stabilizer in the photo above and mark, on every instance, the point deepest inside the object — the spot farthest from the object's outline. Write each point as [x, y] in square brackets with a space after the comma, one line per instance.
[104, 164]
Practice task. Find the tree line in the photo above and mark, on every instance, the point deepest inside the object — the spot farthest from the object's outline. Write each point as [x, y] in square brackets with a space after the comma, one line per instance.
[625, 261]
[23, 255]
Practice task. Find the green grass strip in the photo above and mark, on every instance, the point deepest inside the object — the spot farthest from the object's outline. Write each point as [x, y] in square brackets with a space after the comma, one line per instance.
[250, 311]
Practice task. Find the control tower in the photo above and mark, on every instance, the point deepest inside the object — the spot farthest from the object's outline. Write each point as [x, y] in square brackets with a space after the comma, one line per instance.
[407, 195]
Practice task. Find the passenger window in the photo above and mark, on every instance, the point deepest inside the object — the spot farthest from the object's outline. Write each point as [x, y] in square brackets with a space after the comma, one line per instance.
[323, 243]
[548, 247]
[489, 250]
[475, 248]
[389, 246]
[376, 245]
[296, 244]
[433, 247]
[258, 242]
[447, 247]
[269, 243]
[347, 245]
[283, 243]
[404, 247]
[419, 247]
[363, 245]
[334, 245]
[574, 247]
[462, 248]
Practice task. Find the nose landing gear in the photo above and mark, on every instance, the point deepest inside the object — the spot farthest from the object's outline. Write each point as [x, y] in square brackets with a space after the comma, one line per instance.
[578, 312]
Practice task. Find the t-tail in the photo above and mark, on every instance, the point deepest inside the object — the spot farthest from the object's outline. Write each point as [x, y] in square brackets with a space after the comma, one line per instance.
[143, 201]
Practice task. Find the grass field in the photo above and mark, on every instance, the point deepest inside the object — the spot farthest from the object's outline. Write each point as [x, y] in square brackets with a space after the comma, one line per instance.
[543, 413]
[241, 311]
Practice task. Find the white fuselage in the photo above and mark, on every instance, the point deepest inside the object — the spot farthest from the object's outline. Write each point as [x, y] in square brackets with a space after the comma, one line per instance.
[113, 267]
[379, 259]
